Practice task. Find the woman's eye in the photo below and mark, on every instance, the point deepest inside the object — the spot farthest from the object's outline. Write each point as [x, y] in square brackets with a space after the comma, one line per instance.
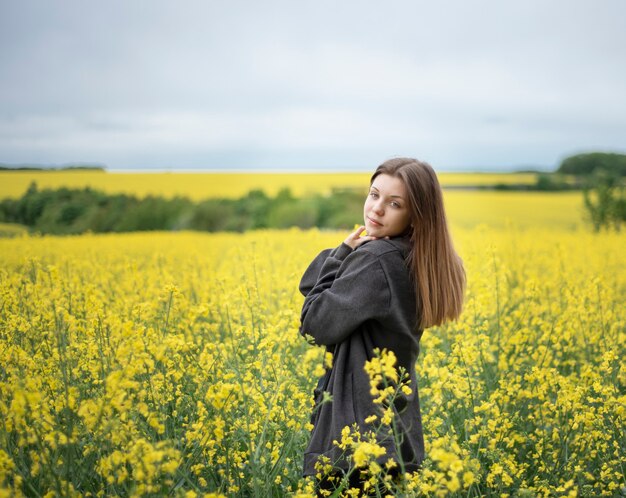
[393, 204]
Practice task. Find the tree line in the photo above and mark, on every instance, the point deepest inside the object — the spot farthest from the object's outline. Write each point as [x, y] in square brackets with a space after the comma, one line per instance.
[35, 167]
[74, 211]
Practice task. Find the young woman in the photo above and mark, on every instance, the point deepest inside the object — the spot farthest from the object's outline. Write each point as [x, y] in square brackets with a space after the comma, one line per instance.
[381, 291]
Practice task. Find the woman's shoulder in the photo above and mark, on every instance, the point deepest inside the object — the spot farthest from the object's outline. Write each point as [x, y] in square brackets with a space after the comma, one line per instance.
[382, 247]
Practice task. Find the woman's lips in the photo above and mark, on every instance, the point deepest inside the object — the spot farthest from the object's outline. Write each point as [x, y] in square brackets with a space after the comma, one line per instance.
[375, 222]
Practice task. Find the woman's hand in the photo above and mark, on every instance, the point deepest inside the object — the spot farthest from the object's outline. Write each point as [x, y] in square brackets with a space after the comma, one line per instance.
[354, 240]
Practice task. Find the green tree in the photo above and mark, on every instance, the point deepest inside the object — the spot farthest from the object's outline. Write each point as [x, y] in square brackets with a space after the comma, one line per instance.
[604, 199]
[586, 164]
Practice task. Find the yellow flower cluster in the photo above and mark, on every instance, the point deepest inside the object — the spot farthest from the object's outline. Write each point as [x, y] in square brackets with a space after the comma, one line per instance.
[365, 451]
[363, 448]
[388, 387]
[450, 469]
[383, 375]
[171, 364]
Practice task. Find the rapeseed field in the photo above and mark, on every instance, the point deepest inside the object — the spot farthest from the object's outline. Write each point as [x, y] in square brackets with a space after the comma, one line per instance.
[170, 364]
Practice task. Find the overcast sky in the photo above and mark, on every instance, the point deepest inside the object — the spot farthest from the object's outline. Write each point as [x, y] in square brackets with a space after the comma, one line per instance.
[268, 85]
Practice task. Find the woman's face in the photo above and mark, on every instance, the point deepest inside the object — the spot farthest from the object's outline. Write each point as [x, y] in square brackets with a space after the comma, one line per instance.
[386, 209]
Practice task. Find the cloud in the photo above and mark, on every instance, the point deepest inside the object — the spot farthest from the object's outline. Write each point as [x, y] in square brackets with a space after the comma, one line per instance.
[464, 84]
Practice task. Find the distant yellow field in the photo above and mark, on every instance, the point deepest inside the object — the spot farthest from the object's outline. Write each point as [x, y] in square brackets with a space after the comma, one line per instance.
[199, 186]
[525, 210]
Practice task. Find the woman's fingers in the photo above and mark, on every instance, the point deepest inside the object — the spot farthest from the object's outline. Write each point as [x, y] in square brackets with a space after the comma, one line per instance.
[356, 234]
[355, 239]
[360, 240]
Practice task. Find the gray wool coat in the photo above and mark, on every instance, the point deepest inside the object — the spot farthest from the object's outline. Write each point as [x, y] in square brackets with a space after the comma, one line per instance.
[355, 301]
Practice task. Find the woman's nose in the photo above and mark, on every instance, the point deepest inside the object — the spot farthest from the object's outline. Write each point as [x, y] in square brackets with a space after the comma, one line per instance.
[378, 207]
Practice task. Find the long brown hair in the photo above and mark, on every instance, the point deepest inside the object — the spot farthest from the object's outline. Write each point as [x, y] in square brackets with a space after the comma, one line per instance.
[436, 269]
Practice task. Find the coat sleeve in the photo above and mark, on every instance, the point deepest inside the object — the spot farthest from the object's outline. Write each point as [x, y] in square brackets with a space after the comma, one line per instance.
[312, 273]
[346, 294]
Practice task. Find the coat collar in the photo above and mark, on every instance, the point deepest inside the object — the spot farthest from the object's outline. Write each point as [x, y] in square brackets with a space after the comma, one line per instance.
[402, 243]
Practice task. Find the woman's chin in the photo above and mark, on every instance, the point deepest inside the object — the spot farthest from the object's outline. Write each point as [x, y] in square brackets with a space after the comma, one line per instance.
[374, 231]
